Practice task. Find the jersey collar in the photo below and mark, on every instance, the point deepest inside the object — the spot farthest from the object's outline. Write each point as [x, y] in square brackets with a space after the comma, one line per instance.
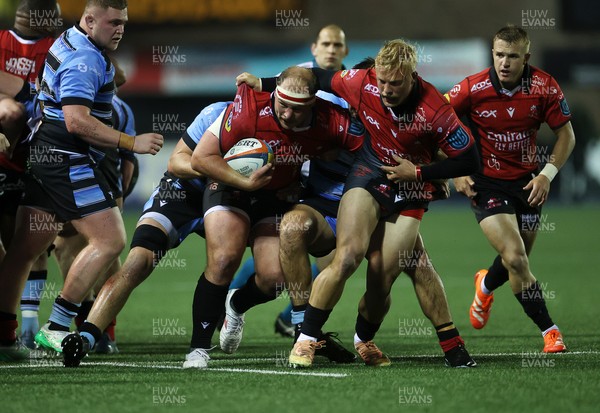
[525, 82]
[82, 32]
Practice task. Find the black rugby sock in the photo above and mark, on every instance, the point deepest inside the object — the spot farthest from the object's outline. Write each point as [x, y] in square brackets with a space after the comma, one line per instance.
[314, 320]
[532, 301]
[249, 296]
[208, 306]
[365, 330]
[497, 275]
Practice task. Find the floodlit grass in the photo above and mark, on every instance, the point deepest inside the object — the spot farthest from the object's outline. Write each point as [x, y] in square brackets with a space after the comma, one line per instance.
[155, 327]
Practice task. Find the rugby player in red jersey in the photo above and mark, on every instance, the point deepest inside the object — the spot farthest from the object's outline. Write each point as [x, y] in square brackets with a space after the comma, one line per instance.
[23, 50]
[407, 120]
[241, 210]
[506, 104]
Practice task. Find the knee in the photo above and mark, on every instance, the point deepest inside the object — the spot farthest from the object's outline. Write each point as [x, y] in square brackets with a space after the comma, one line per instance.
[270, 282]
[138, 266]
[347, 260]
[515, 261]
[115, 245]
[223, 263]
[294, 230]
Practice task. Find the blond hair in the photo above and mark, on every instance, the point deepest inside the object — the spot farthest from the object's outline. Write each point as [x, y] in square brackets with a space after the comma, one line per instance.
[397, 55]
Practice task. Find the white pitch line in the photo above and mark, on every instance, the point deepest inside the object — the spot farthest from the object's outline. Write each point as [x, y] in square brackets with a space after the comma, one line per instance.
[426, 356]
[175, 365]
[159, 366]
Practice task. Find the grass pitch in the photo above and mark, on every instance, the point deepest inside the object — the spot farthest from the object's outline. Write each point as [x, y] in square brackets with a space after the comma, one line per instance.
[154, 330]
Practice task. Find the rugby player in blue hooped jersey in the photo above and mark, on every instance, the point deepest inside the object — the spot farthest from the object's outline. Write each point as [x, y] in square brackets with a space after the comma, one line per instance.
[62, 186]
[173, 211]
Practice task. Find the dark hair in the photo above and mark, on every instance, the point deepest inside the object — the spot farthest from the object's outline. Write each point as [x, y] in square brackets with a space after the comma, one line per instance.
[366, 63]
[512, 34]
[105, 4]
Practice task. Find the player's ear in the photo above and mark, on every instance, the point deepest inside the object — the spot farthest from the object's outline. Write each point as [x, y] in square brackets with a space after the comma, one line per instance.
[347, 51]
[313, 49]
[89, 20]
[527, 56]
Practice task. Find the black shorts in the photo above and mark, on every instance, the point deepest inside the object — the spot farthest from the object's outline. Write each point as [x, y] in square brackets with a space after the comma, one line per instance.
[66, 184]
[177, 207]
[110, 167]
[392, 198]
[12, 186]
[496, 196]
[256, 206]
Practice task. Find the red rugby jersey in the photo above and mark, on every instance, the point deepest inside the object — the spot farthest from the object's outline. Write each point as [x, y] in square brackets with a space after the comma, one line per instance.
[505, 123]
[23, 58]
[252, 115]
[426, 122]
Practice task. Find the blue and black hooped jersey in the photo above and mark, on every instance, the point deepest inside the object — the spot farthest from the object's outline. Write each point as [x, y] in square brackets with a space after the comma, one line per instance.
[76, 72]
[194, 132]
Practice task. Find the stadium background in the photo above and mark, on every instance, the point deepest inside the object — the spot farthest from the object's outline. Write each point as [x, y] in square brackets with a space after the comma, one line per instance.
[181, 55]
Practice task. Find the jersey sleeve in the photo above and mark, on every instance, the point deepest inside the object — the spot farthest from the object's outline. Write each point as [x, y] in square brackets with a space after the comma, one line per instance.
[452, 136]
[80, 80]
[354, 134]
[239, 119]
[203, 121]
[348, 85]
[557, 111]
[459, 97]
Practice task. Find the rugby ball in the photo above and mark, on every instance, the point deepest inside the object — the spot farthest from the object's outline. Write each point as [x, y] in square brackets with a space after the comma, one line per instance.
[248, 155]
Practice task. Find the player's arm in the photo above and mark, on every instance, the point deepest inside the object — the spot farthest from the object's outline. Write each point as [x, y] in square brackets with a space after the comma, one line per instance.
[540, 185]
[268, 84]
[13, 89]
[465, 163]
[208, 161]
[180, 162]
[11, 85]
[79, 121]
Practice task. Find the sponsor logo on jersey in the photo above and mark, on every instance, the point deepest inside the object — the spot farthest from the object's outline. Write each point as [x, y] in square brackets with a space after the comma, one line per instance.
[266, 111]
[478, 87]
[237, 105]
[486, 113]
[371, 120]
[510, 111]
[20, 66]
[454, 91]
[372, 89]
[349, 74]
